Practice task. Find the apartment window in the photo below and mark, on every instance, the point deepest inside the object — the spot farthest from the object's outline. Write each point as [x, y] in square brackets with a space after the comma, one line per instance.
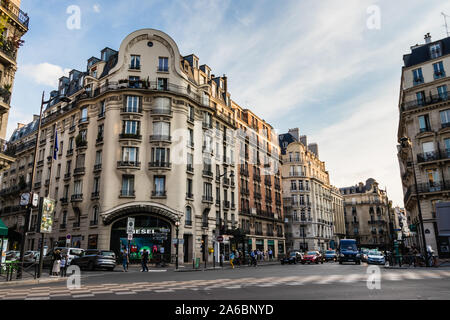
[161, 128]
[131, 127]
[188, 216]
[127, 185]
[64, 218]
[447, 147]
[163, 64]
[433, 179]
[207, 190]
[439, 71]
[130, 154]
[162, 106]
[66, 191]
[58, 170]
[293, 185]
[133, 104]
[160, 186]
[435, 51]
[418, 76]
[190, 162]
[442, 92]
[162, 84]
[424, 123]
[190, 138]
[102, 108]
[80, 161]
[98, 157]
[135, 62]
[78, 187]
[100, 132]
[191, 113]
[96, 188]
[189, 188]
[68, 166]
[420, 96]
[95, 215]
[84, 114]
[445, 118]
[83, 134]
[71, 143]
[160, 156]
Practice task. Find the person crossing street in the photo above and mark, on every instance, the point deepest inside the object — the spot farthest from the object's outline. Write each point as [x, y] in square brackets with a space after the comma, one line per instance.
[144, 261]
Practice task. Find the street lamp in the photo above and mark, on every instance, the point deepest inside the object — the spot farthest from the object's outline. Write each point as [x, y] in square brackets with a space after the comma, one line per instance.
[220, 217]
[406, 143]
[177, 226]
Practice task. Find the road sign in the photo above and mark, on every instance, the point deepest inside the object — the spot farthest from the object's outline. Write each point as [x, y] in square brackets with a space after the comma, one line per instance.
[130, 236]
[35, 202]
[219, 238]
[25, 199]
[68, 236]
[130, 225]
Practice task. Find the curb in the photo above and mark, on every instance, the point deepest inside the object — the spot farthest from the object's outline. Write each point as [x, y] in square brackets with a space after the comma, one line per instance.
[26, 282]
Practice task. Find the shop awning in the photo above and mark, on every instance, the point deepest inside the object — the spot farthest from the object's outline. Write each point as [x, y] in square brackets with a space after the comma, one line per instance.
[3, 229]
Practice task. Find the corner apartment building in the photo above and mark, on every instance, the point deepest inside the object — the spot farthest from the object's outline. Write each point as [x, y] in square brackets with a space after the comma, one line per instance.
[259, 179]
[424, 109]
[13, 25]
[311, 204]
[368, 214]
[137, 134]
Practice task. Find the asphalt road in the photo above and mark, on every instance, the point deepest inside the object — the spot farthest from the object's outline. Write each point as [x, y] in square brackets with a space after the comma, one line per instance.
[275, 282]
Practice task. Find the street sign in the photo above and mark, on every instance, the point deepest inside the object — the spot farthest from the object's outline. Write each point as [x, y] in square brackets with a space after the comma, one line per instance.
[219, 238]
[180, 241]
[130, 225]
[35, 202]
[130, 236]
[25, 199]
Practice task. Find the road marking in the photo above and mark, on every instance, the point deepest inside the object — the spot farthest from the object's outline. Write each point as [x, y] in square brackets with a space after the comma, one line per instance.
[430, 274]
[167, 290]
[392, 276]
[124, 293]
[445, 273]
[38, 298]
[234, 287]
[329, 279]
[350, 278]
[83, 295]
[412, 276]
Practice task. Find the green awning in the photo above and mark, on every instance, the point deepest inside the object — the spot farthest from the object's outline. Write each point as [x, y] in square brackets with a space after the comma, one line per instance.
[3, 229]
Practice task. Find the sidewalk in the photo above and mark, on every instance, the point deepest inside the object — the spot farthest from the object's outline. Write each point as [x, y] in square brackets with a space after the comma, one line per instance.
[441, 264]
[45, 278]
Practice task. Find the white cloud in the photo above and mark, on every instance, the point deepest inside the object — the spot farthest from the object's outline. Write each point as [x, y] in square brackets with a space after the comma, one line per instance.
[44, 73]
[96, 8]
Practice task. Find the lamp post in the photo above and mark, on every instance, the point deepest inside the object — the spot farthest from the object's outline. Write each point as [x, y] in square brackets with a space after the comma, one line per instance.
[177, 228]
[220, 217]
[406, 143]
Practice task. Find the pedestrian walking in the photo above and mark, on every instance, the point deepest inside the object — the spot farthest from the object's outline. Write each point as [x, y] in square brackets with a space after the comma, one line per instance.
[144, 261]
[56, 263]
[254, 255]
[270, 254]
[231, 259]
[236, 258]
[63, 265]
[125, 259]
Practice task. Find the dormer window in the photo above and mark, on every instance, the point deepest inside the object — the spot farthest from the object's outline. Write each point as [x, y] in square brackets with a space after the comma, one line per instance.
[71, 77]
[435, 51]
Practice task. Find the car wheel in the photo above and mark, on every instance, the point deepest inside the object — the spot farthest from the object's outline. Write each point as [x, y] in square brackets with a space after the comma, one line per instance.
[91, 266]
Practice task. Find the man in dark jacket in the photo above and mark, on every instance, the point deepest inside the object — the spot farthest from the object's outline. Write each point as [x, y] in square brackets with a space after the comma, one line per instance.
[144, 261]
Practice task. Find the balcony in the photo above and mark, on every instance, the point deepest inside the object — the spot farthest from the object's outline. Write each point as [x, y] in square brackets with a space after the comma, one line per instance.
[244, 172]
[83, 121]
[257, 195]
[79, 171]
[439, 75]
[76, 197]
[245, 192]
[37, 185]
[16, 13]
[64, 201]
[189, 195]
[427, 100]
[95, 195]
[161, 111]
[67, 176]
[159, 194]
[69, 152]
[433, 156]
[82, 144]
[159, 165]
[127, 110]
[130, 136]
[190, 168]
[128, 165]
[208, 173]
[127, 193]
[226, 204]
[97, 167]
[76, 224]
[204, 224]
[267, 181]
[160, 138]
[207, 199]
[93, 223]
[40, 163]
[226, 181]
[62, 226]
[257, 177]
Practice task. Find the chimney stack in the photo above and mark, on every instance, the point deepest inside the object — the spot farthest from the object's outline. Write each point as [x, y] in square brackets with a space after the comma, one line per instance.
[427, 38]
[295, 133]
[304, 141]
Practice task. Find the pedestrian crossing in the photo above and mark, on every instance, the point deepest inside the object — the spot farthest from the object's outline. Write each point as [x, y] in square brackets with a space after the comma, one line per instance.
[131, 289]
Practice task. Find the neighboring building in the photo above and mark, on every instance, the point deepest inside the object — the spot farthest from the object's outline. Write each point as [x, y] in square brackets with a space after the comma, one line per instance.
[368, 215]
[260, 200]
[337, 207]
[403, 226]
[17, 179]
[13, 25]
[424, 108]
[309, 199]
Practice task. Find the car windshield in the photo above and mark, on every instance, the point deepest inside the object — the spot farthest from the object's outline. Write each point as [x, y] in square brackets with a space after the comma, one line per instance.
[76, 252]
[108, 253]
[349, 247]
[330, 252]
[311, 253]
[374, 253]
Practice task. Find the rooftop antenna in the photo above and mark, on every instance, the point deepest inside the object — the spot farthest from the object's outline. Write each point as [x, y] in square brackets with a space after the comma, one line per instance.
[445, 20]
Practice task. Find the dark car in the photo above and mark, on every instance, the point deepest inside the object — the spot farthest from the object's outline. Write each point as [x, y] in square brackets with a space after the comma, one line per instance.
[96, 259]
[330, 255]
[312, 257]
[292, 258]
[348, 251]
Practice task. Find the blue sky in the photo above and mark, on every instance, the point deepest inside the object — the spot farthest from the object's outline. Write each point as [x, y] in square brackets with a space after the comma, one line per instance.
[309, 64]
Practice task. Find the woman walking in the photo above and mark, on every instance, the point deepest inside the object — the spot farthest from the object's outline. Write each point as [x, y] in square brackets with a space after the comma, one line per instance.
[56, 263]
[231, 259]
[125, 259]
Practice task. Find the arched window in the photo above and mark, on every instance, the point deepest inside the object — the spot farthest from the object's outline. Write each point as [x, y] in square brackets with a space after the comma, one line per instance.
[188, 216]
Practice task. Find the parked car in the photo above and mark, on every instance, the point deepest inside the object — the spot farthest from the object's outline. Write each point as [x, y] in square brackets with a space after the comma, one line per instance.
[312, 257]
[330, 255]
[292, 258]
[364, 253]
[375, 257]
[71, 252]
[92, 259]
[12, 255]
[30, 257]
[348, 251]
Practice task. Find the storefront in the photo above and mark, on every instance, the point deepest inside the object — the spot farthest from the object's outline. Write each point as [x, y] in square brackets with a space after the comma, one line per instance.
[260, 244]
[151, 233]
[271, 245]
